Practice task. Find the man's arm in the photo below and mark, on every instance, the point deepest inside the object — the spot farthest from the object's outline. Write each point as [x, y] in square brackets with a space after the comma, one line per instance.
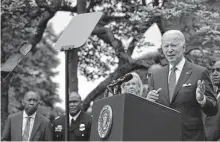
[6, 135]
[210, 106]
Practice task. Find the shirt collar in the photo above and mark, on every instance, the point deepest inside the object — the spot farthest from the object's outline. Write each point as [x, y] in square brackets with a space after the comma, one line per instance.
[180, 65]
[74, 117]
[26, 116]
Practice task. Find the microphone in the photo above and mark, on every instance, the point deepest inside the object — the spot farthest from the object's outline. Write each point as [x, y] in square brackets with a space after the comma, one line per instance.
[121, 80]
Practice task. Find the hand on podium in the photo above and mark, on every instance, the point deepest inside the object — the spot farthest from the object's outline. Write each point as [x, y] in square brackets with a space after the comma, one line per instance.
[153, 95]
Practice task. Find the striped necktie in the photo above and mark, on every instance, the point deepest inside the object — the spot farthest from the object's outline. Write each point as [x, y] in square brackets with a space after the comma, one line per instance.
[25, 136]
[172, 82]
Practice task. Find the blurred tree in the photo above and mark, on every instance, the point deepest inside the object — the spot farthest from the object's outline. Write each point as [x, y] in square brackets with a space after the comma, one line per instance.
[24, 21]
[106, 52]
[199, 21]
[35, 73]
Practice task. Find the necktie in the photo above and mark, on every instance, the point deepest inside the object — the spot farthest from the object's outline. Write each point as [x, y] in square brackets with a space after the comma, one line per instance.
[26, 130]
[172, 82]
[72, 122]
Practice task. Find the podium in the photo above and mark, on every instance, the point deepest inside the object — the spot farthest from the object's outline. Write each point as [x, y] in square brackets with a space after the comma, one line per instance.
[127, 117]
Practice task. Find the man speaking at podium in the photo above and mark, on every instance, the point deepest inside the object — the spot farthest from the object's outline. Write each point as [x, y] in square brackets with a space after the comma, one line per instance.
[183, 86]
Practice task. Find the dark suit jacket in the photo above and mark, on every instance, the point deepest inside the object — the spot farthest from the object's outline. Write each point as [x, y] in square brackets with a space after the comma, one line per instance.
[13, 128]
[75, 134]
[212, 125]
[184, 98]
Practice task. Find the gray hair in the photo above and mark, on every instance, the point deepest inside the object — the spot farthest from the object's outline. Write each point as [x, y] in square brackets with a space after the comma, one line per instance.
[178, 35]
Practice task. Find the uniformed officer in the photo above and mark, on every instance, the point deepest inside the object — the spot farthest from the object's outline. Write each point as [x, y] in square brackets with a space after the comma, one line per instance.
[79, 122]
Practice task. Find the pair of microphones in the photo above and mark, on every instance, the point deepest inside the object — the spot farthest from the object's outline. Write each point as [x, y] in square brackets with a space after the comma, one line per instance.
[121, 80]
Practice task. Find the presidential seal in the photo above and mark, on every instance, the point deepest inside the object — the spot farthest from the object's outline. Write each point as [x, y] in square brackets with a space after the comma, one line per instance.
[105, 121]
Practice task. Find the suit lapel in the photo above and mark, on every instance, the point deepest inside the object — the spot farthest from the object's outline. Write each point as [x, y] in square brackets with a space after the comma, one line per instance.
[18, 127]
[37, 123]
[185, 74]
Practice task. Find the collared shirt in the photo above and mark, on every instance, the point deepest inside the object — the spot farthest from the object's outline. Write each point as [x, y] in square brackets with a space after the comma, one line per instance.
[25, 118]
[178, 71]
[74, 117]
[218, 96]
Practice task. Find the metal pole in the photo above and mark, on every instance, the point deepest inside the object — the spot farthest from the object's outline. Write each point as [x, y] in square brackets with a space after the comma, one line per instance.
[67, 96]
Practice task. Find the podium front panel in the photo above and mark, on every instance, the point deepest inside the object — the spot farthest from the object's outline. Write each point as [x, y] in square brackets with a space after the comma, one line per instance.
[148, 121]
[116, 131]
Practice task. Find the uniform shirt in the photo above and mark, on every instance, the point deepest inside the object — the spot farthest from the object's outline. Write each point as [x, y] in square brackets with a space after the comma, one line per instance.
[74, 117]
[178, 71]
[25, 118]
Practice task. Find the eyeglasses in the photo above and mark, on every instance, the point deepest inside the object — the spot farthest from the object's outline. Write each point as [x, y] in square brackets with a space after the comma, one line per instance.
[215, 69]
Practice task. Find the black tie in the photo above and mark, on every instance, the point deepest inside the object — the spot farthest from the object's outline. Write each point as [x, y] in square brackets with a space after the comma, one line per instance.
[172, 82]
[72, 122]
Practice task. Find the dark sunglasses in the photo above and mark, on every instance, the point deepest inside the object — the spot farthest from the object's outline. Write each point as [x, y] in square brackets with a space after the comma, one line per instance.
[215, 69]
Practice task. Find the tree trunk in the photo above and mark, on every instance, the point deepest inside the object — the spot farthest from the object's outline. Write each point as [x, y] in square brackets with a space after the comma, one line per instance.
[4, 100]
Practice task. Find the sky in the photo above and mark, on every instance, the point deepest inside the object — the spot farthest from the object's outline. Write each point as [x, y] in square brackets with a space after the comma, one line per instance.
[60, 22]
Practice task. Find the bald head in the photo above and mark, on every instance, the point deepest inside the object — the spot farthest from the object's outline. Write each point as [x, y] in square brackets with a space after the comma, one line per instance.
[30, 93]
[216, 73]
[217, 64]
[154, 68]
[75, 102]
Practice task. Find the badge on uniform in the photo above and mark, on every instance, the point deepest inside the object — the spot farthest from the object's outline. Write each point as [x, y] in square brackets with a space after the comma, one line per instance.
[82, 127]
[58, 128]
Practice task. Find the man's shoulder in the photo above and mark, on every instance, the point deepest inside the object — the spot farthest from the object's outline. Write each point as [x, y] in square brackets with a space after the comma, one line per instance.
[197, 67]
[42, 117]
[15, 115]
[161, 70]
[85, 115]
[59, 119]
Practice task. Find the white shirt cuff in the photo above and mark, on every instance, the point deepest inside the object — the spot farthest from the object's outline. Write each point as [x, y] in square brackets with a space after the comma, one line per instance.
[202, 102]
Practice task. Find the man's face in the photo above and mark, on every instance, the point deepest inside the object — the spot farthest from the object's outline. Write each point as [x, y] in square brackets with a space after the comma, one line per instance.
[173, 48]
[216, 74]
[30, 102]
[74, 103]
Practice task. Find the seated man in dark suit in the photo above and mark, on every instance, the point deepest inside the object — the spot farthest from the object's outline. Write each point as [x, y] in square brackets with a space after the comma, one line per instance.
[27, 125]
[212, 123]
[79, 122]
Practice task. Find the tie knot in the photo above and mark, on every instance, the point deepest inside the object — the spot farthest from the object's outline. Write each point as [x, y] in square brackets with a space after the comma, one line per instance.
[72, 120]
[174, 68]
[28, 117]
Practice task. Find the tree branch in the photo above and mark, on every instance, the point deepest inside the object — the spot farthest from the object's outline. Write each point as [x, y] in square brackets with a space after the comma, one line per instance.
[107, 36]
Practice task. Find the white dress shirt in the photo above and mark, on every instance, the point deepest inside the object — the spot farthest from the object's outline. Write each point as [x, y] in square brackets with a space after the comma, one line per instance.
[25, 118]
[218, 95]
[74, 117]
[178, 71]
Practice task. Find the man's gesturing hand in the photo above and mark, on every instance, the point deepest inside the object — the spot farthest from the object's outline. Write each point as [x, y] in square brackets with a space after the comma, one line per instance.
[200, 90]
[153, 95]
